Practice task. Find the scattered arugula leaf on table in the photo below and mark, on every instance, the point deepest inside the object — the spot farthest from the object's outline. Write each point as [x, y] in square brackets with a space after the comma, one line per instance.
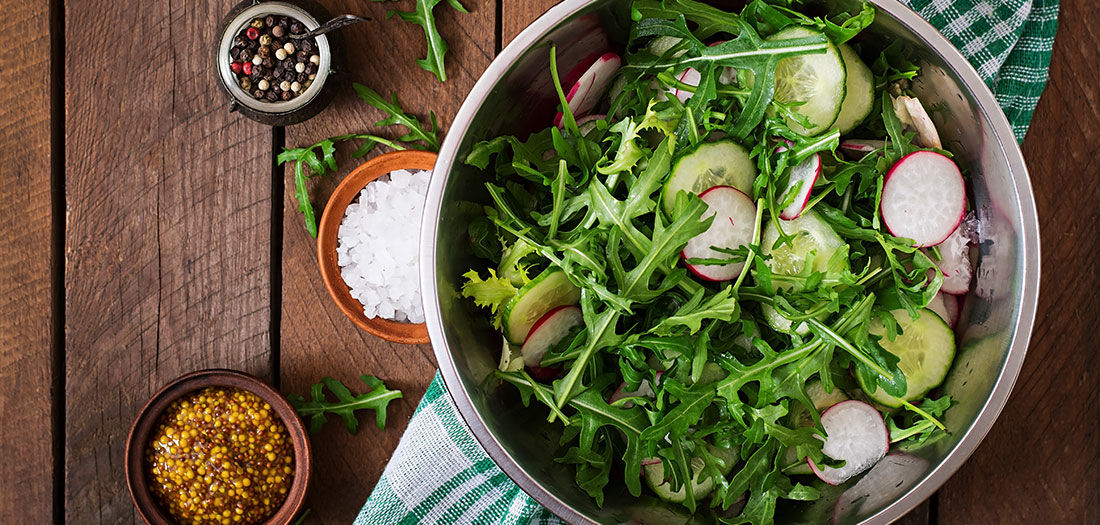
[377, 399]
[423, 15]
[307, 164]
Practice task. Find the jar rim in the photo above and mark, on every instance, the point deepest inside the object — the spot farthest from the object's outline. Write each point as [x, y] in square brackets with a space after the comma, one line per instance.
[229, 79]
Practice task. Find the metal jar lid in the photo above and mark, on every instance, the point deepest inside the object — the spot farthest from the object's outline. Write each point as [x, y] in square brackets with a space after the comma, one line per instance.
[279, 113]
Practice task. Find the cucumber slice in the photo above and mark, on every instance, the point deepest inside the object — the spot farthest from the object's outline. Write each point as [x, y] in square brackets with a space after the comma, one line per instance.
[816, 81]
[549, 290]
[859, 91]
[724, 163]
[780, 323]
[926, 347]
[655, 478]
[815, 241]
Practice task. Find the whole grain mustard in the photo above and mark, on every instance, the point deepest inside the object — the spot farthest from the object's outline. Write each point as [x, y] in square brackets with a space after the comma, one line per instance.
[220, 455]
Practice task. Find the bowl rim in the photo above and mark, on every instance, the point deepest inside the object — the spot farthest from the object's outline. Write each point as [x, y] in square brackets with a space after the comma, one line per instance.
[138, 484]
[328, 231]
[1006, 146]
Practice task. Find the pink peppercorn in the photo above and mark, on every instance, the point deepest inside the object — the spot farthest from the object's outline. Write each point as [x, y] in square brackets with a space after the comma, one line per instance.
[247, 68]
[236, 67]
[252, 33]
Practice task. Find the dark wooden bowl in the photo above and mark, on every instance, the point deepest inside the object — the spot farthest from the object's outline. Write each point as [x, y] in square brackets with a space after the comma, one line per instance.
[138, 484]
[327, 239]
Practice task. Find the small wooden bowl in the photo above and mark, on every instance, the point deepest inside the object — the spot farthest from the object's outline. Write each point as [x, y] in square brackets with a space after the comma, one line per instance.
[137, 482]
[346, 192]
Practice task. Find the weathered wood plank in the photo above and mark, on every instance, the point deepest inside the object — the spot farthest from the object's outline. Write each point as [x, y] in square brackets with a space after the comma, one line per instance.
[317, 340]
[516, 16]
[26, 259]
[167, 245]
[1036, 465]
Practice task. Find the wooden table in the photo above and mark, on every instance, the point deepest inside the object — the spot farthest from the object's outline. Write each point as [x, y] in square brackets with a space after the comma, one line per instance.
[145, 232]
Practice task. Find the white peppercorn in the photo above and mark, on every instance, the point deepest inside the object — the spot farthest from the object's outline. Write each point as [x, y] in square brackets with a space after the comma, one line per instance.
[315, 59]
[289, 47]
[284, 85]
[280, 54]
[263, 84]
[295, 87]
[299, 68]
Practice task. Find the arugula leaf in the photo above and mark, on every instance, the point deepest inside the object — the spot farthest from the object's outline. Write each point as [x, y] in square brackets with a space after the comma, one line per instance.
[423, 15]
[307, 156]
[325, 165]
[721, 306]
[397, 116]
[377, 399]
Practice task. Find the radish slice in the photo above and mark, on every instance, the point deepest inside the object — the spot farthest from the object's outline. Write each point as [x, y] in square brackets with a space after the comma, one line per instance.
[923, 198]
[644, 390]
[589, 88]
[544, 374]
[857, 435]
[547, 331]
[955, 260]
[912, 113]
[803, 177]
[860, 148]
[734, 219]
[691, 77]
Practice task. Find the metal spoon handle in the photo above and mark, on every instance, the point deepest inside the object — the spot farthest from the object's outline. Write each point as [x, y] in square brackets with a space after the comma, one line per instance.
[335, 23]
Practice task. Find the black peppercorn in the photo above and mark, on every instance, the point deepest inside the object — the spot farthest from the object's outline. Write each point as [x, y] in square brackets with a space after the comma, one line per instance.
[252, 44]
[307, 46]
[240, 41]
[271, 96]
[263, 51]
[283, 21]
[268, 62]
[302, 55]
[287, 95]
[269, 21]
[258, 94]
[296, 27]
[278, 72]
[245, 55]
[301, 77]
[278, 31]
[288, 76]
[311, 69]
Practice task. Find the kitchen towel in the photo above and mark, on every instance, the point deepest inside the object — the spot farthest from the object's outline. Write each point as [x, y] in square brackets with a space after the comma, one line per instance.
[440, 474]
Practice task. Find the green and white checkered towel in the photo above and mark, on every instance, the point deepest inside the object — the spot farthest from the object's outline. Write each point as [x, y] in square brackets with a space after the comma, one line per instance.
[440, 474]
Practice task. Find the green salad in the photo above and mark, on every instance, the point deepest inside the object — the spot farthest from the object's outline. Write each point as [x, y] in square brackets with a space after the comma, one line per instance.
[720, 270]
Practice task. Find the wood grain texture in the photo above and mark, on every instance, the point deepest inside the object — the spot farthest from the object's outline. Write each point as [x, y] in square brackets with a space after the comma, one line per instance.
[167, 244]
[316, 338]
[1036, 465]
[516, 16]
[25, 266]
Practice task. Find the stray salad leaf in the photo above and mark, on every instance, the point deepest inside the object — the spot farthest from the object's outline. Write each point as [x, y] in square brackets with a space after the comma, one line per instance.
[307, 164]
[314, 409]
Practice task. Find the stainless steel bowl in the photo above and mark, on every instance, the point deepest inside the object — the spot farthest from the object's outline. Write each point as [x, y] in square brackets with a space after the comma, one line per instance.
[997, 317]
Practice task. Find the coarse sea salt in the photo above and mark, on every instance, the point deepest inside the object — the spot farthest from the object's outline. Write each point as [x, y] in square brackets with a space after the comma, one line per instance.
[379, 246]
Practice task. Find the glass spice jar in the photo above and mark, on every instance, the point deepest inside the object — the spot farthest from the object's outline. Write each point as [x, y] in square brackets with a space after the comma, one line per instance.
[262, 106]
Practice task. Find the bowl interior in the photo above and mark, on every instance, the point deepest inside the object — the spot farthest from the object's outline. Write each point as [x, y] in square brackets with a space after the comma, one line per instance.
[328, 237]
[515, 96]
[136, 479]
